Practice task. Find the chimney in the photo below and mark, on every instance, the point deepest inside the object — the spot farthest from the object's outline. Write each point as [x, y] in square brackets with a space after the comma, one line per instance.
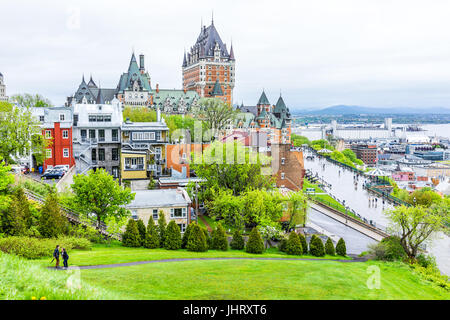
[157, 88]
[141, 62]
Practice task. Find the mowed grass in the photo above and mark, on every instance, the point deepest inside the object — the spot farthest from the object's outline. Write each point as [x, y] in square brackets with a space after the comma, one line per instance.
[268, 279]
[101, 254]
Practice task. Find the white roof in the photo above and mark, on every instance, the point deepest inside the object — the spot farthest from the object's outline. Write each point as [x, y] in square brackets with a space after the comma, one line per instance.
[84, 110]
[160, 198]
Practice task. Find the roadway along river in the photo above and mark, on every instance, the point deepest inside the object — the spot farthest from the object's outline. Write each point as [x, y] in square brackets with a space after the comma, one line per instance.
[357, 199]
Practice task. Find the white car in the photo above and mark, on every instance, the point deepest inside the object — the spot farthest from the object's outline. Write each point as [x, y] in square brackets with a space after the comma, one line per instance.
[61, 167]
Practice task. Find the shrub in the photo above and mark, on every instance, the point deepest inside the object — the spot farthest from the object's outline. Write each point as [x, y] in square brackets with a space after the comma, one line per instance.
[142, 230]
[393, 249]
[432, 274]
[74, 243]
[207, 237]
[282, 244]
[172, 236]
[237, 243]
[426, 261]
[151, 236]
[293, 245]
[51, 222]
[131, 237]
[16, 220]
[197, 240]
[219, 239]
[255, 243]
[186, 234]
[304, 243]
[329, 247]
[341, 249]
[316, 247]
[162, 228]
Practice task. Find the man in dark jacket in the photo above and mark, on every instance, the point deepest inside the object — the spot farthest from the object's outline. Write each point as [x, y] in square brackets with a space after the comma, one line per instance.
[65, 257]
[56, 256]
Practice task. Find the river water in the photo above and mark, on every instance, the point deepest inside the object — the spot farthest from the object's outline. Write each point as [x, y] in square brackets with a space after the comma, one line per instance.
[356, 198]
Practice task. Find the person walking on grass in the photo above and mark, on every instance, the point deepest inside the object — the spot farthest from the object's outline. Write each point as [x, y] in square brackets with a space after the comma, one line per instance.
[65, 257]
[56, 256]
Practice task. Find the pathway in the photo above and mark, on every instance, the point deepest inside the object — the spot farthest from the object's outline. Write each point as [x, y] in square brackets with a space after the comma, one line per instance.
[206, 223]
[129, 264]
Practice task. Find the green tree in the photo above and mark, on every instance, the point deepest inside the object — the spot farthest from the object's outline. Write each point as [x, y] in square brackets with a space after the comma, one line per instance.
[186, 234]
[162, 225]
[27, 100]
[237, 243]
[51, 222]
[255, 243]
[304, 243]
[298, 141]
[415, 225]
[16, 220]
[219, 239]
[341, 249]
[99, 193]
[207, 237]
[316, 247]
[172, 236]
[6, 178]
[197, 239]
[151, 236]
[297, 206]
[293, 245]
[329, 247]
[131, 237]
[228, 207]
[215, 112]
[115, 225]
[263, 208]
[142, 230]
[139, 114]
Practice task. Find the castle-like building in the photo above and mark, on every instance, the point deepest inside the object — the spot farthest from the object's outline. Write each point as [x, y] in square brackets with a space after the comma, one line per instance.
[3, 96]
[209, 68]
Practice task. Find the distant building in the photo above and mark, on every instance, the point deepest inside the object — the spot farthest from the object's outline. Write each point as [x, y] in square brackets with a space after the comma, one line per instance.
[287, 166]
[172, 101]
[209, 68]
[366, 152]
[3, 96]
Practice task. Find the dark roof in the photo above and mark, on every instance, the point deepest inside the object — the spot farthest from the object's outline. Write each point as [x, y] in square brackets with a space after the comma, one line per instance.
[107, 94]
[217, 90]
[231, 53]
[184, 60]
[263, 99]
[91, 83]
[100, 99]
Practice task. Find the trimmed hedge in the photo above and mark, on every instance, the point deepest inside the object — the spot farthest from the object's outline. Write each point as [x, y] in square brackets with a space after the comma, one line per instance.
[282, 244]
[186, 234]
[255, 243]
[304, 243]
[316, 247]
[172, 236]
[207, 237]
[197, 240]
[151, 235]
[219, 239]
[237, 243]
[293, 245]
[142, 231]
[329, 247]
[341, 250]
[131, 237]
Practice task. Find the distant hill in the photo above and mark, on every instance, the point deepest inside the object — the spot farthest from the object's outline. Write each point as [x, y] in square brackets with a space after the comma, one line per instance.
[344, 109]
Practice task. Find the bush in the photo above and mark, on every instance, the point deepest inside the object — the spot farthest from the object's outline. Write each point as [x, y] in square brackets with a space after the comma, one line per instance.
[186, 234]
[255, 243]
[162, 225]
[172, 236]
[341, 250]
[16, 220]
[197, 240]
[131, 237]
[219, 239]
[432, 274]
[426, 261]
[207, 237]
[237, 243]
[142, 230]
[293, 245]
[393, 249]
[282, 244]
[51, 222]
[329, 247]
[151, 235]
[304, 243]
[33, 248]
[316, 247]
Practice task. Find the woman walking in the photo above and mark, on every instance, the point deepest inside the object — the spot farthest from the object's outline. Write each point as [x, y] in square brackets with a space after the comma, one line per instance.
[65, 257]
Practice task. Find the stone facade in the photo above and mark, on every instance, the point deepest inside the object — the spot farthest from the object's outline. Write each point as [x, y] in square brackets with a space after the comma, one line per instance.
[287, 166]
[3, 96]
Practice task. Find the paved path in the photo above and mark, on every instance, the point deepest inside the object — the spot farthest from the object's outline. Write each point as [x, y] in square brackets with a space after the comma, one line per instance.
[206, 223]
[129, 264]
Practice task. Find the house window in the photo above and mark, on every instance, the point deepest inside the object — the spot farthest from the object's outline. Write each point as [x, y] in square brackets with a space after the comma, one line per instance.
[140, 136]
[282, 160]
[41, 118]
[92, 118]
[101, 154]
[92, 134]
[61, 117]
[115, 154]
[75, 118]
[65, 152]
[48, 134]
[83, 135]
[182, 227]
[155, 214]
[134, 214]
[115, 135]
[94, 155]
[134, 163]
[48, 153]
[115, 172]
[65, 134]
[282, 175]
[101, 135]
[178, 213]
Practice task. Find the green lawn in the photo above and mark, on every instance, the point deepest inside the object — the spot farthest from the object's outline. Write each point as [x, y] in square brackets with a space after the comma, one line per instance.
[101, 254]
[247, 279]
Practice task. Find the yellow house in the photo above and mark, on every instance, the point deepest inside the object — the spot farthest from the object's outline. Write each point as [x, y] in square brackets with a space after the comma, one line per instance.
[175, 203]
[133, 165]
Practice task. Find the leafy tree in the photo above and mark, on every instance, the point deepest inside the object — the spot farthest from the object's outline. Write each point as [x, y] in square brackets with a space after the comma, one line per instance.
[263, 208]
[228, 207]
[139, 114]
[27, 100]
[115, 225]
[341, 249]
[197, 239]
[142, 230]
[207, 237]
[186, 234]
[415, 225]
[39, 145]
[6, 178]
[162, 225]
[329, 247]
[17, 126]
[215, 112]
[51, 222]
[293, 245]
[283, 243]
[304, 243]
[151, 236]
[172, 236]
[255, 243]
[99, 193]
[219, 239]
[268, 233]
[424, 197]
[297, 206]
[316, 247]
[298, 141]
[131, 237]
[237, 243]
[16, 220]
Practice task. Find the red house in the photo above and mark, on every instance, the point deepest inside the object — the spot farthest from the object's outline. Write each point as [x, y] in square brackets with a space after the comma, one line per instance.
[57, 127]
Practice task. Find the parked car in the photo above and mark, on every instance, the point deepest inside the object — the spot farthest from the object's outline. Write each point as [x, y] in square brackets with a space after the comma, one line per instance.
[61, 167]
[20, 169]
[53, 174]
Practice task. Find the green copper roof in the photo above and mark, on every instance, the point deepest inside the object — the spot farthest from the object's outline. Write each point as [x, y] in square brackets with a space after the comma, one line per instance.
[134, 74]
[217, 90]
[263, 99]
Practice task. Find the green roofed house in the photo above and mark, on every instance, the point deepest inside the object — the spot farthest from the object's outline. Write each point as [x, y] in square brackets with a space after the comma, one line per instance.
[173, 101]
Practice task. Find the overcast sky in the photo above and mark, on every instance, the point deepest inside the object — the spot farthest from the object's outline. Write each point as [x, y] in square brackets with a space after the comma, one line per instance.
[318, 53]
